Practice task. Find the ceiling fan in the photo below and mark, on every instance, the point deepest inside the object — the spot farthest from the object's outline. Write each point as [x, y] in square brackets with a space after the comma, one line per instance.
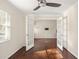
[43, 3]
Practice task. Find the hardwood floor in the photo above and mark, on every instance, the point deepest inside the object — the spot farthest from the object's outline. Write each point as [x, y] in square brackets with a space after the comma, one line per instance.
[42, 43]
[43, 54]
[43, 49]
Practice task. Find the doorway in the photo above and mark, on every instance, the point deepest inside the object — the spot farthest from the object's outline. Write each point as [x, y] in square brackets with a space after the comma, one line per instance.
[43, 35]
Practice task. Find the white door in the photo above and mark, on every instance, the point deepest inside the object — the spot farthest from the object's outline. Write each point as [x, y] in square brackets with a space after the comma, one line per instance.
[65, 29]
[29, 32]
[60, 36]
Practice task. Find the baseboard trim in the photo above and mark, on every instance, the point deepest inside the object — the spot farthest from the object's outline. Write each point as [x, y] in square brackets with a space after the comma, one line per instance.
[69, 52]
[73, 54]
[45, 38]
[15, 52]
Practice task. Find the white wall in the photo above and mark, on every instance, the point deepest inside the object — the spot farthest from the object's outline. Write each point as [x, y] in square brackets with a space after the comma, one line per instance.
[17, 30]
[40, 25]
[72, 14]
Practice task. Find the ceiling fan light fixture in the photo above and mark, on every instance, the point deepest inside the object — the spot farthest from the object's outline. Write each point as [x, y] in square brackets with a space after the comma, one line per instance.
[43, 3]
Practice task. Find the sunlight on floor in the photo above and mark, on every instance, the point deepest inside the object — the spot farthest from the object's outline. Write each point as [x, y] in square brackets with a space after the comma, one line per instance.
[50, 53]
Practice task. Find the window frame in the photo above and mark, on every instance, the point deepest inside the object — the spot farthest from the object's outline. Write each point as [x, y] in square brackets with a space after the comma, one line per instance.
[5, 26]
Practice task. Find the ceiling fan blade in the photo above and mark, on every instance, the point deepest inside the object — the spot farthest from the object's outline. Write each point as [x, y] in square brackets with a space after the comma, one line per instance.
[53, 4]
[37, 7]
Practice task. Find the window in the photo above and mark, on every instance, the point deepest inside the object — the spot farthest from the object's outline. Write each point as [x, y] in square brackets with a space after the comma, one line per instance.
[4, 26]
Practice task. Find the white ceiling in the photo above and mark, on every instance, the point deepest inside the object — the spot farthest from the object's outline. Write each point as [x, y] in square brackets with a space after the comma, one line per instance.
[27, 6]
